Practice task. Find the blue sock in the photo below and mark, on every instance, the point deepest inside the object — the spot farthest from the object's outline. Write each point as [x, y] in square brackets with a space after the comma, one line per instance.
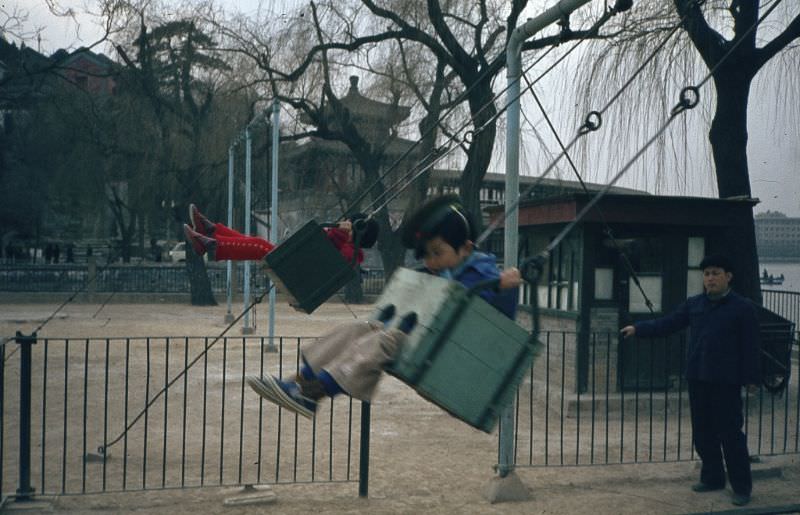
[330, 386]
[306, 370]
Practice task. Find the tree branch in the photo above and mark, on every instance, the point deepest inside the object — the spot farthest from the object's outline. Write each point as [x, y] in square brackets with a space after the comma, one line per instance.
[780, 42]
[708, 42]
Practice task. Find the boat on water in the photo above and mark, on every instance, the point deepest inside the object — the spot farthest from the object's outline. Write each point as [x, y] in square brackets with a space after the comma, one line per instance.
[769, 279]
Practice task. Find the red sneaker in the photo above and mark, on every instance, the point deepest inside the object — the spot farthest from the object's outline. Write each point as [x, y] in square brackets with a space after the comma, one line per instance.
[201, 244]
[200, 223]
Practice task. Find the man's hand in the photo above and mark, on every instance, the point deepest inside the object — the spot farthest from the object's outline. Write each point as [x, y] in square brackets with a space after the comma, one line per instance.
[346, 226]
[628, 331]
[510, 278]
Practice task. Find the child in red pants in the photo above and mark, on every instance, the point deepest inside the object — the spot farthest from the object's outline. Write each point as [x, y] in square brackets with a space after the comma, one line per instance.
[223, 243]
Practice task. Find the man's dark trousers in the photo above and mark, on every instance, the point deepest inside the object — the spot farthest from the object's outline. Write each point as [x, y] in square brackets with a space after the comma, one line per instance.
[717, 428]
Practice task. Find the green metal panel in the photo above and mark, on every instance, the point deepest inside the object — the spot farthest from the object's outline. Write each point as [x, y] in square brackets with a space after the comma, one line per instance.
[464, 356]
[308, 267]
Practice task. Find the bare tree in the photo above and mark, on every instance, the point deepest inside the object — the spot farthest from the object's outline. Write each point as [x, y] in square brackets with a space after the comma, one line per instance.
[734, 45]
[463, 44]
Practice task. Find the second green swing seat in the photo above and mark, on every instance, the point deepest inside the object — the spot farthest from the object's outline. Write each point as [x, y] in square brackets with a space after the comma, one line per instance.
[308, 267]
[464, 355]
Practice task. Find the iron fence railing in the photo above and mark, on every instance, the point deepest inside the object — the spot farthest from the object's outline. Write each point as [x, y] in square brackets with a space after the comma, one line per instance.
[166, 278]
[784, 303]
[627, 403]
[63, 400]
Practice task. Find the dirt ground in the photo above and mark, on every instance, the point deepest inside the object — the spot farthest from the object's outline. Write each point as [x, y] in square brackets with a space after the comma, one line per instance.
[422, 460]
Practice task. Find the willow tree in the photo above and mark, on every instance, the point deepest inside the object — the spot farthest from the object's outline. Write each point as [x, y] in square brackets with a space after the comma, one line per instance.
[734, 63]
[732, 42]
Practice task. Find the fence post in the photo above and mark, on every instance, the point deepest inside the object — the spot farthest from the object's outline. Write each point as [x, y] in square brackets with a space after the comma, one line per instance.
[25, 490]
[91, 277]
[363, 459]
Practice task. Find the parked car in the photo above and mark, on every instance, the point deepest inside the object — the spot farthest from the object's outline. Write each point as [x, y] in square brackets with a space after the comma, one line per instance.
[178, 252]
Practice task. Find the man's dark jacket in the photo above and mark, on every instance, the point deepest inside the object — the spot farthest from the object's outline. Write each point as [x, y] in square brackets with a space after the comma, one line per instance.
[723, 338]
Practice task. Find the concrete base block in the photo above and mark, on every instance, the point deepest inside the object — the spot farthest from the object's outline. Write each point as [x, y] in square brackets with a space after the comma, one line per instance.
[229, 318]
[96, 457]
[251, 495]
[507, 489]
[32, 506]
[248, 330]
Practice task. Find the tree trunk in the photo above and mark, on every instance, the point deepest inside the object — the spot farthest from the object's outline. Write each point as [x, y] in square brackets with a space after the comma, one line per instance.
[482, 109]
[199, 284]
[728, 138]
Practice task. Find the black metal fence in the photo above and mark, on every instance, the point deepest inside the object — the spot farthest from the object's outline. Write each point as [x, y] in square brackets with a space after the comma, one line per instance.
[784, 303]
[64, 400]
[575, 408]
[166, 278]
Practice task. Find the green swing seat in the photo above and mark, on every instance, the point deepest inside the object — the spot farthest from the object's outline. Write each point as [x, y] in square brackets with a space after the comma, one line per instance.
[308, 267]
[464, 355]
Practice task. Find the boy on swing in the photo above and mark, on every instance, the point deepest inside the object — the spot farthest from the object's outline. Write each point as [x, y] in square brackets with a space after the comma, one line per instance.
[351, 357]
[222, 243]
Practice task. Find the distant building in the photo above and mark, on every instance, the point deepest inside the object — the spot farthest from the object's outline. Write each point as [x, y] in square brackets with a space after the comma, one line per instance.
[92, 72]
[317, 171]
[777, 235]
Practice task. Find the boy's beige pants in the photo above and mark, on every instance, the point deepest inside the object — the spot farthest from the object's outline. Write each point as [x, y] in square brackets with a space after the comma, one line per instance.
[354, 354]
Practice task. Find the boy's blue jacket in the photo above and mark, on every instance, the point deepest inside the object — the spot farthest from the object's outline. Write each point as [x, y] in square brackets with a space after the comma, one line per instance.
[723, 338]
[481, 267]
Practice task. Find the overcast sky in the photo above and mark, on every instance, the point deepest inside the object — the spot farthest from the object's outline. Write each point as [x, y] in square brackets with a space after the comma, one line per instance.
[774, 145]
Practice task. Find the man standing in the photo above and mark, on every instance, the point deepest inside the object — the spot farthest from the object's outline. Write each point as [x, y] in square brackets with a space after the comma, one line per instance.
[722, 356]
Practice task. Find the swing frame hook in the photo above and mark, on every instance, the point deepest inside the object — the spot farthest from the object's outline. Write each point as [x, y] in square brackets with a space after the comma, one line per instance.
[689, 98]
[593, 121]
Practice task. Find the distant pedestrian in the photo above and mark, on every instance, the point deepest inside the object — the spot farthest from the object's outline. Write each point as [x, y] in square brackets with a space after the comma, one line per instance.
[70, 253]
[48, 253]
[155, 250]
[723, 356]
[56, 253]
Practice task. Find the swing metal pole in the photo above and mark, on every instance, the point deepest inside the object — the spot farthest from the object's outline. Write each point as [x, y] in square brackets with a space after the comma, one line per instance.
[229, 263]
[248, 172]
[511, 236]
[273, 222]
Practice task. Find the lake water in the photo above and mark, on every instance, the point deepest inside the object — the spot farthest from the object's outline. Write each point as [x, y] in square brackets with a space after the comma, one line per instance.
[791, 275]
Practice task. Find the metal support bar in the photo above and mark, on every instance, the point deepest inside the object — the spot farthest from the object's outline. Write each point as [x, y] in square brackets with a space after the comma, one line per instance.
[273, 222]
[229, 263]
[363, 454]
[247, 328]
[511, 237]
[25, 489]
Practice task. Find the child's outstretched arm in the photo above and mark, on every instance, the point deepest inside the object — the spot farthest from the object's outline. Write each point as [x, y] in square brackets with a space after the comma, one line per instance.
[510, 278]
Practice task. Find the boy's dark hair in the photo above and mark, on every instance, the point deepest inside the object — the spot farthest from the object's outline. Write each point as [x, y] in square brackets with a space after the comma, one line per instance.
[717, 260]
[444, 217]
[370, 232]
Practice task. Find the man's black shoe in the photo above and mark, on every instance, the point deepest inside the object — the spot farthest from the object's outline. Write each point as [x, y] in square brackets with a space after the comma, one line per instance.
[740, 499]
[702, 487]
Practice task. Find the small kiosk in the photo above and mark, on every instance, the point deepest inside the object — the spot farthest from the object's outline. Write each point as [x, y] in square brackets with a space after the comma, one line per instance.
[587, 292]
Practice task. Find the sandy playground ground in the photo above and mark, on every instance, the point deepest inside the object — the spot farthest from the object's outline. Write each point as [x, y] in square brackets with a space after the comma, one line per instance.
[422, 460]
